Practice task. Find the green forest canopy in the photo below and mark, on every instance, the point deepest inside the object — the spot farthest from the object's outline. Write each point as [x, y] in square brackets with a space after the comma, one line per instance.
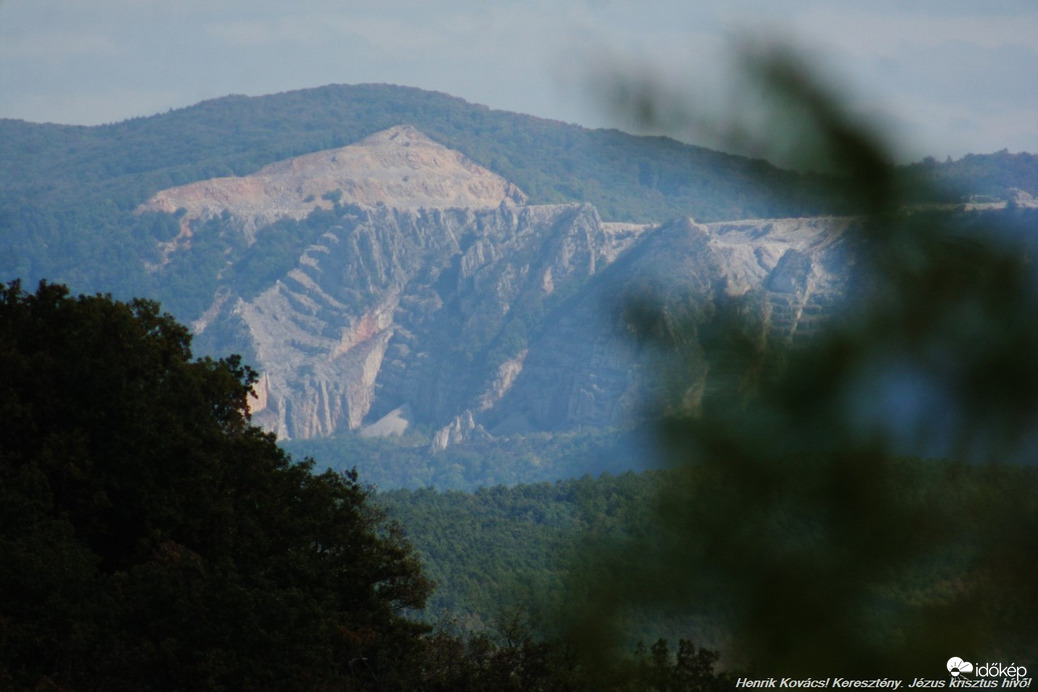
[151, 538]
[149, 533]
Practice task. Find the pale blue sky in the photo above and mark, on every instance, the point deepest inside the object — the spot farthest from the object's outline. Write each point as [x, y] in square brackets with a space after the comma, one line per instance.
[949, 76]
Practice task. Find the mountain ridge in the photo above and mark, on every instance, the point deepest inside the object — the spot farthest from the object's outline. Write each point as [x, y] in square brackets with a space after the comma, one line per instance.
[67, 193]
[445, 323]
[376, 170]
[484, 319]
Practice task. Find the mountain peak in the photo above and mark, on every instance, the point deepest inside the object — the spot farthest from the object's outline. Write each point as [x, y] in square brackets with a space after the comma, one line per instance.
[400, 168]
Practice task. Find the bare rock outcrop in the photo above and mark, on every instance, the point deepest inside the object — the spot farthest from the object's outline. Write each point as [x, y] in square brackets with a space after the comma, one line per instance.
[432, 310]
[399, 168]
[433, 295]
[504, 321]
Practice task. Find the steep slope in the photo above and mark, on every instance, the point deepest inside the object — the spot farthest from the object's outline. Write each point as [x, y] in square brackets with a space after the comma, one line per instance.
[585, 368]
[432, 295]
[399, 168]
[427, 309]
[68, 194]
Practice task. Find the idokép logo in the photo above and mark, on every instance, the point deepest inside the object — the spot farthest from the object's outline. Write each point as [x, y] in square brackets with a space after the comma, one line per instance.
[1012, 674]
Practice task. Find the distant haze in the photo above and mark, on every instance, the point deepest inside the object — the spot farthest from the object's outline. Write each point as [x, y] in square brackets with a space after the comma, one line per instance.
[948, 77]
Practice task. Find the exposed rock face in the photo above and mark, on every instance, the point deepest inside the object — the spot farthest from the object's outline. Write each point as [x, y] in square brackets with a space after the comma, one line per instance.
[400, 168]
[429, 309]
[442, 299]
[584, 369]
[800, 266]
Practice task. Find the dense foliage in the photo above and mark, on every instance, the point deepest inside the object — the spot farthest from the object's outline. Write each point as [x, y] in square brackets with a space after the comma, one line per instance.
[798, 514]
[151, 538]
[504, 548]
[544, 553]
[975, 176]
[409, 462]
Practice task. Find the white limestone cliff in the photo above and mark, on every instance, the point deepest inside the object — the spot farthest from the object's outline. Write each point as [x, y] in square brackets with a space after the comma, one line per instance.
[438, 296]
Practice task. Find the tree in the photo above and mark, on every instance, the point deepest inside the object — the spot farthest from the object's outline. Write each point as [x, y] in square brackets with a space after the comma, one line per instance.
[799, 516]
[151, 538]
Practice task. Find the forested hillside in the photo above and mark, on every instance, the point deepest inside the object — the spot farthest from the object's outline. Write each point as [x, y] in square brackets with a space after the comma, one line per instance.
[511, 460]
[67, 193]
[627, 177]
[504, 549]
[151, 538]
[990, 176]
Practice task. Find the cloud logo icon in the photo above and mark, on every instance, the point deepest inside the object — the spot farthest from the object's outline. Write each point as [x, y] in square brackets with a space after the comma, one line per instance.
[956, 666]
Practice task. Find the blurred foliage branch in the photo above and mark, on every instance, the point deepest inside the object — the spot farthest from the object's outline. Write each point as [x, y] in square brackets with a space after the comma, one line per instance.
[807, 522]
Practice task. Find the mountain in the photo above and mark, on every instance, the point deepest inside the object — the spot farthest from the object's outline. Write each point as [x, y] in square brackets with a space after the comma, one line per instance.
[433, 294]
[400, 262]
[400, 168]
[68, 193]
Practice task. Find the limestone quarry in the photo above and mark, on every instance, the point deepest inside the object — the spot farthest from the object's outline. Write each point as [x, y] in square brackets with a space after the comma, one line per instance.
[399, 168]
[438, 297]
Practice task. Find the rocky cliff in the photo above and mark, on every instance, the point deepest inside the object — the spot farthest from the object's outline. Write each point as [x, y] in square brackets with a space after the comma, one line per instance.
[399, 168]
[434, 296]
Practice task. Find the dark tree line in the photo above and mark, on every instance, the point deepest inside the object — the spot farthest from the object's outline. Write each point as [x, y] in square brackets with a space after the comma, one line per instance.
[152, 538]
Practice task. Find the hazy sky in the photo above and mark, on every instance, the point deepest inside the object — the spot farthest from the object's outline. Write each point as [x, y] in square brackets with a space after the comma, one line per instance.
[950, 76]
